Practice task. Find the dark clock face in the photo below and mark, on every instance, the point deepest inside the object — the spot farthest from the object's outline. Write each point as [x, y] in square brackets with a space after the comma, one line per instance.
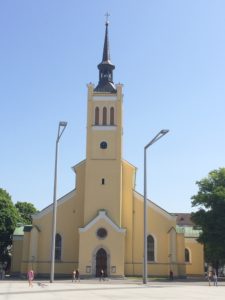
[103, 145]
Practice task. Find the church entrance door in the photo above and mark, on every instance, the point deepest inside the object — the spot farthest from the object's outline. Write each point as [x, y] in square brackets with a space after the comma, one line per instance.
[101, 262]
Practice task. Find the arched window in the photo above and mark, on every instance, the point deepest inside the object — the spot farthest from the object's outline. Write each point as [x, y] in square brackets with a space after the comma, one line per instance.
[112, 116]
[186, 255]
[58, 247]
[96, 115]
[150, 248]
[104, 119]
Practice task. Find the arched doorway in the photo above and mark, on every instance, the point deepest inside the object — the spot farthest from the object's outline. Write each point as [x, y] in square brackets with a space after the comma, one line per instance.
[101, 262]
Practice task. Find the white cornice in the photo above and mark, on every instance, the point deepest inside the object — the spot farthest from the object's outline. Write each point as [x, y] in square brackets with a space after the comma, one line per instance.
[104, 128]
[102, 216]
[155, 207]
[78, 164]
[49, 208]
[104, 98]
[17, 237]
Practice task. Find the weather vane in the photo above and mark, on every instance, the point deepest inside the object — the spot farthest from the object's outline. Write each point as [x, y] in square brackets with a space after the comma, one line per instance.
[107, 18]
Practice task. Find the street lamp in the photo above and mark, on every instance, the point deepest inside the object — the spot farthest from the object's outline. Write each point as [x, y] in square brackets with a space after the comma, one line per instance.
[155, 139]
[61, 128]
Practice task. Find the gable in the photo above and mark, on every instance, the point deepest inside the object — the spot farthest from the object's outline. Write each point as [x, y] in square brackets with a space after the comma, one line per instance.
[102, 216]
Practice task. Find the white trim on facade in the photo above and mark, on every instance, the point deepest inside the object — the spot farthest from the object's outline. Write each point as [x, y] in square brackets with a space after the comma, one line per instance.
[77, 165]
[102, 216]
[104, 98]
[104, 128]
[17, 237]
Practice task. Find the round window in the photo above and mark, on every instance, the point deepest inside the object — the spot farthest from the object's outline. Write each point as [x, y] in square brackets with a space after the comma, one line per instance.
[103, 145]
[101, 233]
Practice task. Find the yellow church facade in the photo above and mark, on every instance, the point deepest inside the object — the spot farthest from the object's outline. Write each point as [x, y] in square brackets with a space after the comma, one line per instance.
[100, 223]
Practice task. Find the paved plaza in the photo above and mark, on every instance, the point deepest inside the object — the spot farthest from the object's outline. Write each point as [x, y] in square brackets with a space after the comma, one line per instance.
[110, 289]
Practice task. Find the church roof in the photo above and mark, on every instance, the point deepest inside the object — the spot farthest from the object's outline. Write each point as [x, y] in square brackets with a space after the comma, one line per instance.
[184, 219]
[19, 230]
[188, 231]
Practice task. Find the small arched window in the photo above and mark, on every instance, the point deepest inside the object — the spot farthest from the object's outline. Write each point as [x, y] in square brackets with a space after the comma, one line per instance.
[104, 119]
[112, 116]
[58, 246]
[186, 255]
[150, 248]
[96, 115]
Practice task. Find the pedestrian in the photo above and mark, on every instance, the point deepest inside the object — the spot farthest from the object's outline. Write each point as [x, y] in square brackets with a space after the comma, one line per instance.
[101, 275]
[77, 275]
[30, 277]
[171, 275]
[214, 278]
[209, 277]
[73, 275]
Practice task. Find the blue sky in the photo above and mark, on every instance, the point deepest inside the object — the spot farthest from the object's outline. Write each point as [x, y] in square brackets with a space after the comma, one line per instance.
[170, 56]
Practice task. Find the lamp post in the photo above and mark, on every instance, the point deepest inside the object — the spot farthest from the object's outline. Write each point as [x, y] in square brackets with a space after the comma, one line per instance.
[155, 139]
[61, 128]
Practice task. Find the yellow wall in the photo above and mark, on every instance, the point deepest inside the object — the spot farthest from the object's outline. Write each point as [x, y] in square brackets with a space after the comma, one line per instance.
[17, 254]
[128, 177]
[181, 270]
[69, 219]
[196, 265]
[159, 224]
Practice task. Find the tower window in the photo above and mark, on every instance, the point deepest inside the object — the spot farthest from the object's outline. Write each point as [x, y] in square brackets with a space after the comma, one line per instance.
[104, 119]
[112, 116]
[103, 181]
[96, 115]
[103, 145]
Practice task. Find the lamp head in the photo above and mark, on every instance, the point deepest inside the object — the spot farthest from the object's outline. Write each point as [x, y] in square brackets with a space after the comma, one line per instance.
[164, 131]
[62, 123]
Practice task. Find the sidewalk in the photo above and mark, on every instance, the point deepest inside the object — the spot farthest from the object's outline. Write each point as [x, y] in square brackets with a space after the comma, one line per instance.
[110, 289]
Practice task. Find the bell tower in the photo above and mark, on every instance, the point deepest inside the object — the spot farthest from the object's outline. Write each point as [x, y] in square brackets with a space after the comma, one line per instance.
[103, 172]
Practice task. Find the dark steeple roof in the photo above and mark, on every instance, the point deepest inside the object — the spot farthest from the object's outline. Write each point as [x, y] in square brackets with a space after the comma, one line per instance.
[106, 68]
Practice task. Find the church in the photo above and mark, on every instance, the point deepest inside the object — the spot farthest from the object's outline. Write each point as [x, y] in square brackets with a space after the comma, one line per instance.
[100, 222]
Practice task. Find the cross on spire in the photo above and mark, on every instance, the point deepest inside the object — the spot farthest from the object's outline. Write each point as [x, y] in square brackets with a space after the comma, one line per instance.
[107, 15]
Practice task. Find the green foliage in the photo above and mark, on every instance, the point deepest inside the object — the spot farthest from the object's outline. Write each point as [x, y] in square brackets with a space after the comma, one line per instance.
[25, 211]
[210, 216]
[10, 215]
[8, 220]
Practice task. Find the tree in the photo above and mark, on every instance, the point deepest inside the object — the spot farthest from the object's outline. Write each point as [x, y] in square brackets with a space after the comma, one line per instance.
[25, 211]
[210, 216]
[8, 220]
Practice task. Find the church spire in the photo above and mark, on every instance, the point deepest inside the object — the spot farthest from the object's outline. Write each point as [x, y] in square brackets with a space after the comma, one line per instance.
[106, 54]
[106, 68]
